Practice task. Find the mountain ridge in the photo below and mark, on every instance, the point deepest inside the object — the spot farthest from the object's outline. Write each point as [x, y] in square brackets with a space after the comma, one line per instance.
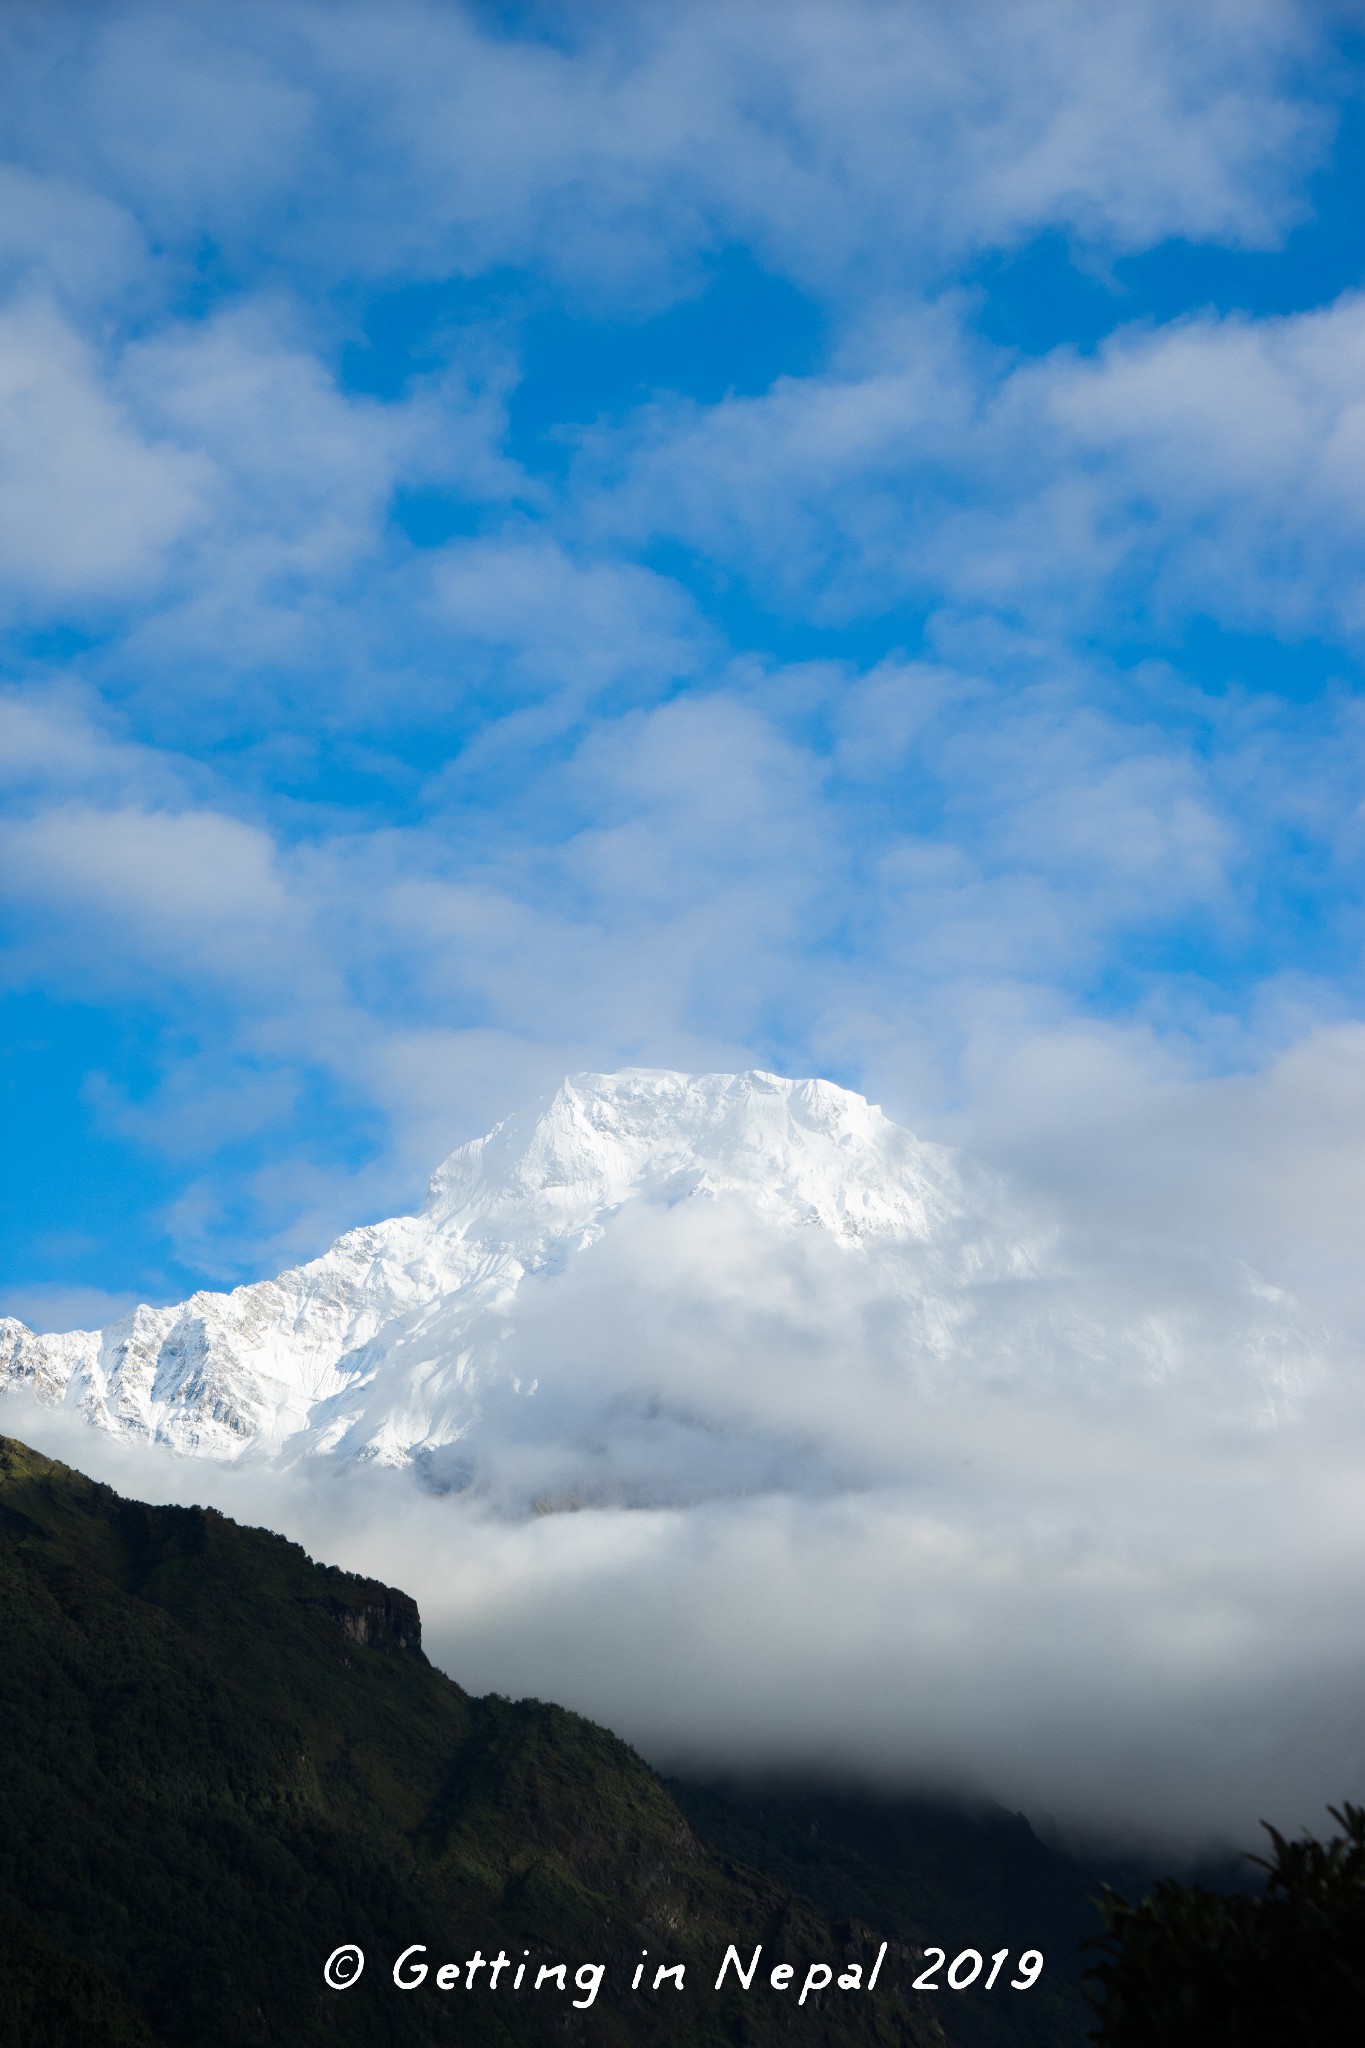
[768, 1211]
[255, 1366]
[210, 1781]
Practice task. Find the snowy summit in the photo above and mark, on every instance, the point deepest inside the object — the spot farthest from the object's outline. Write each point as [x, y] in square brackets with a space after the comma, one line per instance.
[383, 1345]
[686, 1251]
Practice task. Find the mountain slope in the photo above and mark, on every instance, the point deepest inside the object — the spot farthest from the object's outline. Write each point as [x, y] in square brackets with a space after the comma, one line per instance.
[384, 1345]
[49, 2000]
[931, 1871]
[221, 1760]
[735, 1215]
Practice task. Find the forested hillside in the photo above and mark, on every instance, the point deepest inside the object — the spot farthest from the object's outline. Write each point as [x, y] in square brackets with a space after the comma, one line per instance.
[221, 1760]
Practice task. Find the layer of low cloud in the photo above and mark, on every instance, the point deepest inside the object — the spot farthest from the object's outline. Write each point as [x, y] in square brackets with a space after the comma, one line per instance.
[1061, 1508]
[1079, 1530]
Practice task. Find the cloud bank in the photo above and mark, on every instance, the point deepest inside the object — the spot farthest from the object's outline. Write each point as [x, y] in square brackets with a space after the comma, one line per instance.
[1089, 1610]
[1072, 1528]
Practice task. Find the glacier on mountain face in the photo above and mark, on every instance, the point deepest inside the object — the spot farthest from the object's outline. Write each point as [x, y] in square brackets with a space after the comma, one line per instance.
[659, 1286]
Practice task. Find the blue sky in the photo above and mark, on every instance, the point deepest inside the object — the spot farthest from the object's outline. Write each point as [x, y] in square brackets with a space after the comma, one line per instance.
[827, 537]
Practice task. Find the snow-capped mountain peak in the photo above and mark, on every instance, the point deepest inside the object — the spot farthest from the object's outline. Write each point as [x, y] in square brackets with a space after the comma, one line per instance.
[272, 1364]
[807, 1150]
[697, 1254]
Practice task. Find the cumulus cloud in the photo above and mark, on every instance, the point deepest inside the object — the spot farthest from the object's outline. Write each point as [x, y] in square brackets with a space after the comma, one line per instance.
[584, 626]
[420, 139]
[1259, 1163]
[661, 136]
[62, 243]
[1085, 1536]
[87, 506]
[55, 744]
[193, 887]
[1204, 466]
[1240, 437]
[917, 886]
[299, 482]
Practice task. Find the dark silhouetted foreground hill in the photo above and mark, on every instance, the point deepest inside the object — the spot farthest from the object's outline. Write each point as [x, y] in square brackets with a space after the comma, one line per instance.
[220, 1760]
[926, 1872]
[48, 2000]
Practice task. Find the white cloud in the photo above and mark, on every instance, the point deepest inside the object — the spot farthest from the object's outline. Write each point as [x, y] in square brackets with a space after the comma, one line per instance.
[916, 894]
[804, 487]
[54, 741]
[1262, 1164]
[1231, 449]
[163, 893]
[912, 466]
[171, 108]
[1059, 1549]
[87, 506]
[65, 242]
[582, 626]
[1203, 467]
[67, 1308]
[847, 144]
[297, 568]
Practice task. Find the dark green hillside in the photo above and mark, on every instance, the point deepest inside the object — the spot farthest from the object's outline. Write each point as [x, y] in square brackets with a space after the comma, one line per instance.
[220, 1760]
[48, 2000]
[926, 1871]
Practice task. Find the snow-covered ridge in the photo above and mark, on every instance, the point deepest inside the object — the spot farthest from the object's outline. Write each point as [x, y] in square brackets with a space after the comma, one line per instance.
[661, 1286]
[314, 1359]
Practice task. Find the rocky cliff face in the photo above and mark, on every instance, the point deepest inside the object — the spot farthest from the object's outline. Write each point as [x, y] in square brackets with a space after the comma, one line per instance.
[389, 1623]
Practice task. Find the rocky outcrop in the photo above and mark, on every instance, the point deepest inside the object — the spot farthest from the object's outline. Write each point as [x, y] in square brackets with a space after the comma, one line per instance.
[390, 1623]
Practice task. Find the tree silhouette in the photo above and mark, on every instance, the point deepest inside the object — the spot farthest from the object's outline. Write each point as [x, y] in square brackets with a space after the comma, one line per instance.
[1192, 1968]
